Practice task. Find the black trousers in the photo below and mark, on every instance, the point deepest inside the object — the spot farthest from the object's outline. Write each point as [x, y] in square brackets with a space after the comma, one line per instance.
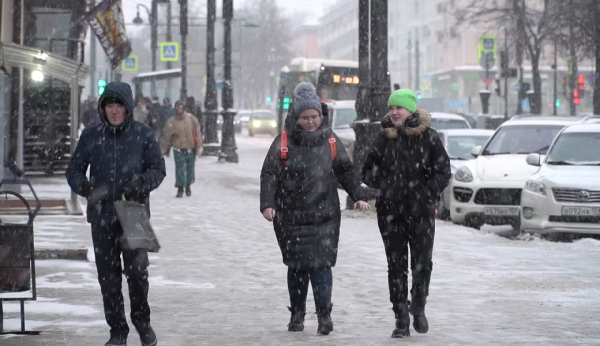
[398, 233]
[108, 263]
[322, 283]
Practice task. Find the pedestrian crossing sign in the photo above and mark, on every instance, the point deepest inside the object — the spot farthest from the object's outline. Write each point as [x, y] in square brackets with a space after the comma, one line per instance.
[130, 63]
[169, 51]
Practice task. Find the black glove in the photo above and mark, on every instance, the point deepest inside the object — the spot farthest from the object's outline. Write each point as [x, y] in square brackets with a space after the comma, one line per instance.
[86, 189]
[135, 191]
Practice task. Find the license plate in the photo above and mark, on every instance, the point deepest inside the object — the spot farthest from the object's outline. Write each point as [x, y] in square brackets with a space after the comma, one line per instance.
[581, 211]
[501, 211]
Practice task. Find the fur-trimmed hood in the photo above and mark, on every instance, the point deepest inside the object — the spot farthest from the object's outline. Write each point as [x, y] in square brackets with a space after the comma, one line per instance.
[424, 122]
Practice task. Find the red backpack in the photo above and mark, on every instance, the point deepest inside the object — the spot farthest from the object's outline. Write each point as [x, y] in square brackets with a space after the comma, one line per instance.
[284, 147]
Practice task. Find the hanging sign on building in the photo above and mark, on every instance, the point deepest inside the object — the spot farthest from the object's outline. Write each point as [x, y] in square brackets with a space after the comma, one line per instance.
[106, 20]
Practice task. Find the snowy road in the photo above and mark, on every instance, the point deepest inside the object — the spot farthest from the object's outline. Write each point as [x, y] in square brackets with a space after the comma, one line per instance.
[219, 280]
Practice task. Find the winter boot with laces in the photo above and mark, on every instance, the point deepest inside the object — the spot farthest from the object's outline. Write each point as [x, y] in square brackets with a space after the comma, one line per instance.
[417, 309]
[402, 321]
[116, 340]
[147, 336]
[297, 320]
[325, 322]
[179, 192]
[188, 191]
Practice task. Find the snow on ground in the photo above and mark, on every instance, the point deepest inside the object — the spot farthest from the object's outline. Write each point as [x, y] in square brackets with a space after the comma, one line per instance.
[219, 280]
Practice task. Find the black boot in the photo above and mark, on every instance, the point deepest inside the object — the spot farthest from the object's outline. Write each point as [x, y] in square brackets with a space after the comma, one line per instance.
[417, 309]
[179, 192]
[188, 191]
[325, 322]
[147, 336]
[117, 340]
[297, 320]
[402, 321]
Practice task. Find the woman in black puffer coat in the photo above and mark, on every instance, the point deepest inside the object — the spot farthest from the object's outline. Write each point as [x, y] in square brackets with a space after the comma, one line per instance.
[298, 193]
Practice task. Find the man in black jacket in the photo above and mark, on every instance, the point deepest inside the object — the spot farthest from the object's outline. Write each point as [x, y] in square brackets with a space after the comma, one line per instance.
[125, 162]
[409, 165]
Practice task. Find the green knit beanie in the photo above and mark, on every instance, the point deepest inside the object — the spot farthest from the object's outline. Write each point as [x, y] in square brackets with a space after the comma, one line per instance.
[404, 98]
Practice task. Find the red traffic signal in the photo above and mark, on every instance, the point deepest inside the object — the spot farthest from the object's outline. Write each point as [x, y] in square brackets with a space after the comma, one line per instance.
[576, 101]
[581, 79]
[576, 94]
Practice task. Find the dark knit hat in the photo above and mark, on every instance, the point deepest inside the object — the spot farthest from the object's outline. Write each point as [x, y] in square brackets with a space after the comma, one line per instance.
[110, 100]
[306, 98]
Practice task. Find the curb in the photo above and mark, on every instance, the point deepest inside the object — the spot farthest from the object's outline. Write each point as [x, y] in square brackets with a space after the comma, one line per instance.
[74, 254]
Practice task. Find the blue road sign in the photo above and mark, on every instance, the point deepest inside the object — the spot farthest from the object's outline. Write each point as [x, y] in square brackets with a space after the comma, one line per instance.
[130, 63]
[169, 51]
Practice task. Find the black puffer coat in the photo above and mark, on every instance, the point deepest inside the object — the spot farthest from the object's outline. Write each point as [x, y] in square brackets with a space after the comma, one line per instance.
[303, 192]
[409, 166]
[115, 154]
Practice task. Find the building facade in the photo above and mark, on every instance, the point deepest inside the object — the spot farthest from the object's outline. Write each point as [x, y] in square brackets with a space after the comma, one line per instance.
[306, 41]
[338, 31]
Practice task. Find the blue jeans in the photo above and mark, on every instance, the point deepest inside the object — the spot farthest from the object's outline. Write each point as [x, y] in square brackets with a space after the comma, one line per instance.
[322, 282]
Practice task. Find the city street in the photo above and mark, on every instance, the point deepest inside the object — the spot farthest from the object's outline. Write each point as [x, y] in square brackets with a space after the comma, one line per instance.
[219, 278]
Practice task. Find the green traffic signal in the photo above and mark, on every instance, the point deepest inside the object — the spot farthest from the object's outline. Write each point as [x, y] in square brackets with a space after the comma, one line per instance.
[419, 96]
[101, 86]
[557, 103]
[269, 99]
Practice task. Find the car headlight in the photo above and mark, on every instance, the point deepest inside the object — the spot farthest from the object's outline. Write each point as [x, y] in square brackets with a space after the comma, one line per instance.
[536, 187]
[273, 124]
[464, 175]
[256, 124]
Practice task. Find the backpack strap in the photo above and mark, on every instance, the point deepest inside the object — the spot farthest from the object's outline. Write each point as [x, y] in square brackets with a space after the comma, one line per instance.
[333, 145]
[284, 147]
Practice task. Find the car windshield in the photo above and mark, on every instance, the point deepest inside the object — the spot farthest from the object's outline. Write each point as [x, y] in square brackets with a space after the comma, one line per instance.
[522, 139]
[263, 116]
[448, 124]
[344, 118]
[576, 149]
[459, 147]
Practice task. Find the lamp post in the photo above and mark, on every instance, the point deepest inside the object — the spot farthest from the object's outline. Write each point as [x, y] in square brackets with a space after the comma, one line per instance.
[183, 28]
[228, 147]
[153, 18]
[211, 145]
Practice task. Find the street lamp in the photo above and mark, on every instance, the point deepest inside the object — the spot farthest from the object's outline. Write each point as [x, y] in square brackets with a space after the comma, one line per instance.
[153, 18]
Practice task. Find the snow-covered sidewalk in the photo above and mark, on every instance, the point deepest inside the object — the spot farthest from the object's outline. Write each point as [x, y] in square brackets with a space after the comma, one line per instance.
[219, 280]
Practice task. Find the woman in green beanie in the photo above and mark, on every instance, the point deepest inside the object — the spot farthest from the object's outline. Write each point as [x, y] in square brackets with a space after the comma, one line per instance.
[410, 167]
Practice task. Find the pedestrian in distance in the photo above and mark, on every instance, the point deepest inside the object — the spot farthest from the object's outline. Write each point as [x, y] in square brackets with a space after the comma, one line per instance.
[409, 165]
[182, 133]
[299, 194]
[125, 163]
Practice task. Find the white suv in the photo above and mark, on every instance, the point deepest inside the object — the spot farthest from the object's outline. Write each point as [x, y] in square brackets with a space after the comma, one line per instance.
[488, 189]
[564, 194]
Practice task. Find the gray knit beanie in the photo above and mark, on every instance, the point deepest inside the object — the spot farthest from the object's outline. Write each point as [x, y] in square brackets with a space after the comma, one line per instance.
[306, 98]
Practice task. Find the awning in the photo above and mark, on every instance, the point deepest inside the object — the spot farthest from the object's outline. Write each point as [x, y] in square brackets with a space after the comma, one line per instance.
[37, 59]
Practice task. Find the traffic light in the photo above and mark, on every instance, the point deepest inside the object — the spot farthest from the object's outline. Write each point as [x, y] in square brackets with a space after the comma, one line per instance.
[286, 103]
[581, 86]
[576, 97]
[269, 99]
[557, 103]
[101, 86]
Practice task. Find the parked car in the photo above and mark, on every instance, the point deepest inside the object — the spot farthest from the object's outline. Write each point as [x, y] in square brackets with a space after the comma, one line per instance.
[488, 189]
[244, 116]
[563, 196]
[341, 116]
[458, 144]
[263, 121]
[448, 121]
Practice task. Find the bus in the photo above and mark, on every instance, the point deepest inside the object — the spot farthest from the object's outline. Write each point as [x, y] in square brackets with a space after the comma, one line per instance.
[333, 80]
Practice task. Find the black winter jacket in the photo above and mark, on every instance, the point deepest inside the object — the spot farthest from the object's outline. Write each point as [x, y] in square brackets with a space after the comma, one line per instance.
[303, 192]
[115, 155]
[409, 166]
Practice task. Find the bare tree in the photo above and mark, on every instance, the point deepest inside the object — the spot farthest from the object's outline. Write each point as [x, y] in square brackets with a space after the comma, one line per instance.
[532, 20]
[265, 50]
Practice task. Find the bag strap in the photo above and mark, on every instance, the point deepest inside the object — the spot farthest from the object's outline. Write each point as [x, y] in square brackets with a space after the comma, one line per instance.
[333, 145]
[284, 147]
